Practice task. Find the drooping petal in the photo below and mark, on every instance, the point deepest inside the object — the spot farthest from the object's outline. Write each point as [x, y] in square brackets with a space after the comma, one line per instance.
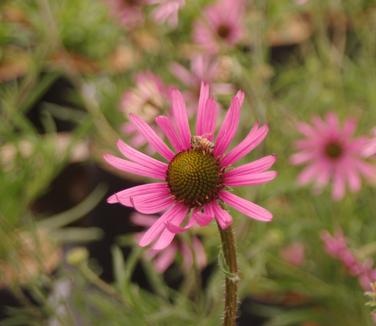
[179, 229]
[156, 229]
[140, 158]
[246, 207]
[134, 168]
[165, 258]
[338, 189]
[166, 126]
[204, 96]
[229, 126]
[152, 203]
[253, 139]
[154, 140]
[167, 236]
[250, 179]
[124, 196]
[256, 166]
[223, 218]
[181, 118]
[143, 220]
[201, 218]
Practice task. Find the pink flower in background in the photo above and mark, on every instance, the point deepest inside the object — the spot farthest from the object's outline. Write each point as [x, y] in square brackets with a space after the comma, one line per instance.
[195, 176]
[370, 148]
[164, 259]
[167, 11]
[202, 68]
[336, 246]
[129, 12]
[294, 254]
[221, 25]
[332, 153]
[148, 99]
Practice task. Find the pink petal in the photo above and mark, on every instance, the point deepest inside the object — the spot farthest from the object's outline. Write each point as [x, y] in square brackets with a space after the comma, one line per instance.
[178, 229]
[246, 207]
[143, 220]
[253, 139]
[257, 166]
[309, 173]
[140, 158]
[165, 258]
[251, 179]
[338, 189]
[152, 203]
[204, 96]
[183, 74]
[167, 236]
[156, 229]
[166, 126]
[124, 196]
[201, 218]
[223, 218]
[134, 168]
[199, 252]
[302, 157]
[210, 119]
[181, 118]
[229, 126]
[154, 140]
[353, 180]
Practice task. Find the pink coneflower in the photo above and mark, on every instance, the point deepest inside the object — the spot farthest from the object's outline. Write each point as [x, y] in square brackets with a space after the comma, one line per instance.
[203, 68]
[194, 180]
[128, 12]
[167, 11]
[336, 246]
[165, 258]
[148, 99]
[221, 26]
[332, 153]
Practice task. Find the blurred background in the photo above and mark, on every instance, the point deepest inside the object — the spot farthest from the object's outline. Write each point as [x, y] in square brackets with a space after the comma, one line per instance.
[72, 70]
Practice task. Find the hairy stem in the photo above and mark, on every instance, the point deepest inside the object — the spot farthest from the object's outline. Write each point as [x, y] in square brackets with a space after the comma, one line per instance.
[231, 276]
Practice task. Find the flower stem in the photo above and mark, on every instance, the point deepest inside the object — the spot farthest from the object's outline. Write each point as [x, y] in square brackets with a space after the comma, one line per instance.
[231, 276]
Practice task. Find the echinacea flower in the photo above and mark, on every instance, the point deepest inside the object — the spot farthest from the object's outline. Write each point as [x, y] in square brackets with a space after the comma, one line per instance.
[128, 12]
[167, 11]
[194, 179]
[202, 68]
[165, 258]
[336, 246]
[332, 153]
[222, 25]
[148, 99]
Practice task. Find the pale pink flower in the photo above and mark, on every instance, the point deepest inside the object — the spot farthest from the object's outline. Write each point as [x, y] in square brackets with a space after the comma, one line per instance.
[165, 258]
[148, 99]
[202, 68]
[370, 148]
[128, 12]
[195, 178]
[332, 153]
[336, 246]
[222, 25]
[167, 11]
[294, 254]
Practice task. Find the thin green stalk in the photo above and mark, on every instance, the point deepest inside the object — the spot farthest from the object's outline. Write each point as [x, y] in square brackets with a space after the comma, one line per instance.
[231, 276]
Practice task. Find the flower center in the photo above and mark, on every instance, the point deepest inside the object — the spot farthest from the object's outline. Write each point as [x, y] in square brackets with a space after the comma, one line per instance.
[195, 176]
[333, 150]
[223, 31]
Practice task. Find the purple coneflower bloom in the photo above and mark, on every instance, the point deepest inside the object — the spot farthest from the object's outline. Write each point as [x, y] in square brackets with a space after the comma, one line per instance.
[332, 153]
[195, 177]
[221, 25]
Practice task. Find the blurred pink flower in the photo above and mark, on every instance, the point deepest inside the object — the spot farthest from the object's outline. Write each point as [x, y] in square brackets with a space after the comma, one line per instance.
[332, 153]
[336, 246]
[128, 12]
[221, 25]
[195, 178]
[370, 148]
[148, 99]
[202, 68]
[167, 11]
[165, 258]
[294, 254]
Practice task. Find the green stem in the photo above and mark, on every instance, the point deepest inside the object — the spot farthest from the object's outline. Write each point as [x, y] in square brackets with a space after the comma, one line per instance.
[231, 276]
